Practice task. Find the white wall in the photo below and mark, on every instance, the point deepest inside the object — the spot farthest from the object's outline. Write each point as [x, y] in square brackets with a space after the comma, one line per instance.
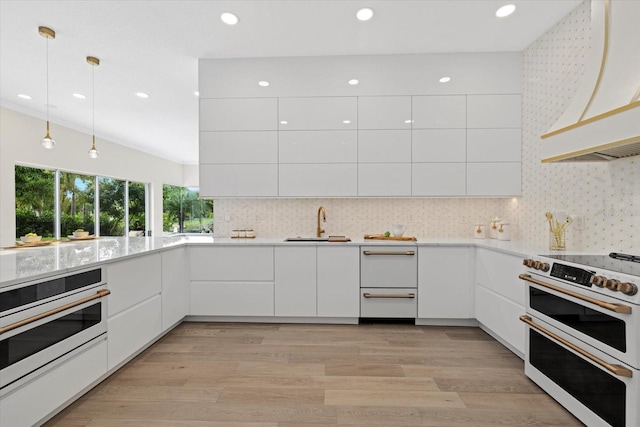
[20, 137]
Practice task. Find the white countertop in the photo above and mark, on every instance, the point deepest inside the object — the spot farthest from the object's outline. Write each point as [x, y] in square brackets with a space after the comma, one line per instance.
[26, 264]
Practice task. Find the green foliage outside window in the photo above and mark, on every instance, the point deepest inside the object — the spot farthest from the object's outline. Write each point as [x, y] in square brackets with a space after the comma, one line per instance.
[185, 212]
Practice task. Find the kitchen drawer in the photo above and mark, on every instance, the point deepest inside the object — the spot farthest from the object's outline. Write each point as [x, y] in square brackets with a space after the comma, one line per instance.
[237, 263]
[388, 266]
[388, 302]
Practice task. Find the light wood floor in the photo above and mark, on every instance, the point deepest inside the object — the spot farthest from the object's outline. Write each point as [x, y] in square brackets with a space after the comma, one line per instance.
[261, 375]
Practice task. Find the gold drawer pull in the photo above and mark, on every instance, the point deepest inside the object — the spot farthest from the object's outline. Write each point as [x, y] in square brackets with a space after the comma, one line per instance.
[408, 296]
[621, 371]
[618, 308]
[409, 253]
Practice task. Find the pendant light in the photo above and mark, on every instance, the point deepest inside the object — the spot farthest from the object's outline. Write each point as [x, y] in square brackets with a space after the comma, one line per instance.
[47, 33]
[94, 62]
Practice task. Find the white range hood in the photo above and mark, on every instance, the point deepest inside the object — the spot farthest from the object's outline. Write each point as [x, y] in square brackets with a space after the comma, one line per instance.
[602, 122]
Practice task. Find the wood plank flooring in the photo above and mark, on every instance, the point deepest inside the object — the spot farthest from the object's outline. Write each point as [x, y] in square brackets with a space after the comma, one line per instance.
[277, 375]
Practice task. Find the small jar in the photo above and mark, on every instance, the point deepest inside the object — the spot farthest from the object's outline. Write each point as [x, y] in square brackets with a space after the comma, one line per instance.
[493, 228]
[479, 231]
[504, 230]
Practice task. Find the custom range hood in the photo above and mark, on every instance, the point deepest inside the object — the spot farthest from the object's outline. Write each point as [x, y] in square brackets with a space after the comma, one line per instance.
[602, 122]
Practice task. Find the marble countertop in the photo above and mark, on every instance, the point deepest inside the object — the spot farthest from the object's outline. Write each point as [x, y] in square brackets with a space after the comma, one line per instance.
[26, 264]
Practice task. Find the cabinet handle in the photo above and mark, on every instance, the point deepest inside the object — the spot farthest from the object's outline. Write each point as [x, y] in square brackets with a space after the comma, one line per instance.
[618, 308]
[615, 369]
[410, 253]
[101, 293]
[368, 295]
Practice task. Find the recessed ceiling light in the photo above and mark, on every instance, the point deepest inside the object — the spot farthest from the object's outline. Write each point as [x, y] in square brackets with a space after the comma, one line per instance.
[23, 96]
[283, 122]
[229, 18]
[505, 10]
[79, 96]
[263, 83]
[346, 122]
[445, 79]
[354, 82]
[408, 121]
[141, 95]
[196, 93]
[364, 14]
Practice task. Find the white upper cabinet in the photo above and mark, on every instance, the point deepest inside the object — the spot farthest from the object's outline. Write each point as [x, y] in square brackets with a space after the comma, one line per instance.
[318, 113]
[239, 147]
[318, 180]
[493, 111]
[238, 180]
[438, 179]
[384, 146]
[329, 146]
[384, 179]
[439, 145]
[439, 112]
[494, 179]
[238, 114]
[494, 145]
[384, 112]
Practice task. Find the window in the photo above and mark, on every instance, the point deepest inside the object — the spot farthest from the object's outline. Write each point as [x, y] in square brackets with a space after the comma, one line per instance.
[36, 204]
[184, 212]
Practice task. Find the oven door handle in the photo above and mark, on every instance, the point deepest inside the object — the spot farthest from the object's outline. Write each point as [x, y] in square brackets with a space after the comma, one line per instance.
[101, 293]
[618, 308]
[621, 371]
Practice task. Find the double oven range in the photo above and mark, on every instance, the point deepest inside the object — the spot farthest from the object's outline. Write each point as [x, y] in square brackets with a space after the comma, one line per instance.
[583, 334]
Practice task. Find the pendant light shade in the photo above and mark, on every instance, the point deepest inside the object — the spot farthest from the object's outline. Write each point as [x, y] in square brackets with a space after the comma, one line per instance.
[94, 62]
[47, 142]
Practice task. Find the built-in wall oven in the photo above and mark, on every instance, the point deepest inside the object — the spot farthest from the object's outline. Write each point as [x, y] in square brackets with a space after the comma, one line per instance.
[45, 321]
[583, 342]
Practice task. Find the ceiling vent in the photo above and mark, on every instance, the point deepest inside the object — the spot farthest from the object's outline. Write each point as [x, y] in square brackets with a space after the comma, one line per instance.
[602, 122]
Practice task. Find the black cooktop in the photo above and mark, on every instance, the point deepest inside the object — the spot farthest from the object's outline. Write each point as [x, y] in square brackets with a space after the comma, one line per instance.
[630, 265]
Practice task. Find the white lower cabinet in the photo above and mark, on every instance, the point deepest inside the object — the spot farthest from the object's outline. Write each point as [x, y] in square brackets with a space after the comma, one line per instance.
[445, 282]
[295, 281]
[231, 299]
[175, 287]
[29, 405]
[338, 275]
[388, 302]
[134, 328]
[133, 280]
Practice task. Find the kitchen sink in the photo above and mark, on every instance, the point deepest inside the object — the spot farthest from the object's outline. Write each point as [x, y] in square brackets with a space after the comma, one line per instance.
[306, 239]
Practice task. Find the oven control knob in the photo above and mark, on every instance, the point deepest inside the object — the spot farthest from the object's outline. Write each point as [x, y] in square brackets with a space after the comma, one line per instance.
[528, 262]
[545, 267]
[536, 265]
[598, 281]
[628, 288]
[612, 284]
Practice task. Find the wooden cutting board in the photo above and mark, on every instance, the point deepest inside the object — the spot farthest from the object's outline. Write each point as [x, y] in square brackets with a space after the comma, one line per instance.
[383, 237]
[33, 244]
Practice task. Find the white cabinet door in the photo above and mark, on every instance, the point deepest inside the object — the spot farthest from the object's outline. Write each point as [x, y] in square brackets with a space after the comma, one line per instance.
[498, 272]
[295, 281]
[175, 287]
[132, 281]
[388, 266]
[438, 145]
[28, 405]
[494, 179]
[236, 180]
[238, 114]
[384, 112]
[318, 113]
[494, 145]
[239, 147]
[132, 329]
[438, 179]
[231, 298]
[232, 263]
[384, 179]
[439, 112]
[445, 282]
[338, 281]
[325, 146]
[319, 180]
[384, 146]
[502, 317]
[493, 111]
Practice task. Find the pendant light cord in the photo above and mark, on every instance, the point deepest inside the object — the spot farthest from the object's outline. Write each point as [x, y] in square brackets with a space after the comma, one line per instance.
[47, 44]
[93, 101]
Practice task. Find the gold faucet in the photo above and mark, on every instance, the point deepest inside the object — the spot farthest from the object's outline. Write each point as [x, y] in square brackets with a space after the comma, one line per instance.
[321, 210]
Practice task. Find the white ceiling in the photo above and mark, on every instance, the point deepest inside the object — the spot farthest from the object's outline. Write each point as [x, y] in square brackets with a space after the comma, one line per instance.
[154, 46]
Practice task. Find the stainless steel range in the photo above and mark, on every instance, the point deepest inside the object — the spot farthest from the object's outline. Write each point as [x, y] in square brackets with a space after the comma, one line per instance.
[583, 342]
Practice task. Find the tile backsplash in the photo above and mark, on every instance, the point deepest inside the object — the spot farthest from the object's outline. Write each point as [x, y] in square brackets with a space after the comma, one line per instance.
[606, 195]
